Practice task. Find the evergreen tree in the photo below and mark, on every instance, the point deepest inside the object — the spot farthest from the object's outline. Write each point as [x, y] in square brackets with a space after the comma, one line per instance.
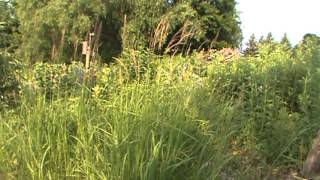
[261, 39]
[285, 42]
[267, 45]
[269, 39]
[252, 47]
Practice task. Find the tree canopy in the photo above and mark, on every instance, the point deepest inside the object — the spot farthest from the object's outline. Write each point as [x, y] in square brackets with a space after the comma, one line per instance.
[252, 47]
[53, 30]
[8, 26]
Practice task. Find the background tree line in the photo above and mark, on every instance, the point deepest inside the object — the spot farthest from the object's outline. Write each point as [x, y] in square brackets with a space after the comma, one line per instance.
[253, 46]
[52, 30]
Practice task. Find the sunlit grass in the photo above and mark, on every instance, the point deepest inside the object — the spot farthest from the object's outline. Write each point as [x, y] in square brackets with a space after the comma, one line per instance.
[177, 120]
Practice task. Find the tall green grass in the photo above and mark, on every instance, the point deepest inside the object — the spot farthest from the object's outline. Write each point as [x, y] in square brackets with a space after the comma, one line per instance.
[167, 118]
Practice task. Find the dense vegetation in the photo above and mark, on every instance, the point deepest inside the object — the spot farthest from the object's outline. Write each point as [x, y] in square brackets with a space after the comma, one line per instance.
[53, 30]
[159, 117]
[169, 105]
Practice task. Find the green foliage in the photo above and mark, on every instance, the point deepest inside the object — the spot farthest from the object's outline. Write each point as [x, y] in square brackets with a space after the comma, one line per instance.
[221, 22]
[142, 22]
[9, 80]
[59, 79]
[8, 26]
[285, 41]
[53, 30]
[149, 115]
[159, 117]
[252, 47]
[203, 24]
[269, 39]
[54, 27]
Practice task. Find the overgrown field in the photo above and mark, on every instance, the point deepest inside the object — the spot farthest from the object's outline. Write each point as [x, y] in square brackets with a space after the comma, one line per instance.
[151, 117]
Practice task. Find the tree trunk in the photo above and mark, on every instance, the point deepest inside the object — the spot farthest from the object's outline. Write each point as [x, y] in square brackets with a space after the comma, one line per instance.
[75, 50]
[62, 41]
[97, 32]
[54, 45]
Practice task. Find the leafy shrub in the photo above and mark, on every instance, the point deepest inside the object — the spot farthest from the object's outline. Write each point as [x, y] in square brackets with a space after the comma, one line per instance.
[60, 79]
[9, 80]
[273, 99]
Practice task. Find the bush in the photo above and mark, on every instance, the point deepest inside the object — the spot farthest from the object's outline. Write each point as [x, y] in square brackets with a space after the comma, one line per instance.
[9, 80]
[59, 79]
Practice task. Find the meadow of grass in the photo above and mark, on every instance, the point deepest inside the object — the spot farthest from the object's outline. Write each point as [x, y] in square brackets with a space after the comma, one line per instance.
[150, 117]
